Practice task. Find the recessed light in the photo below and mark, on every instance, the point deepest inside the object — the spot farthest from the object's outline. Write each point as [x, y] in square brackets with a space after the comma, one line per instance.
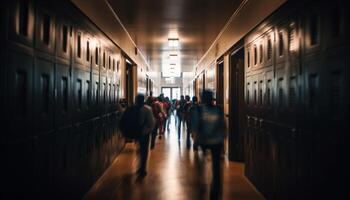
[173, 56]
[173, 42]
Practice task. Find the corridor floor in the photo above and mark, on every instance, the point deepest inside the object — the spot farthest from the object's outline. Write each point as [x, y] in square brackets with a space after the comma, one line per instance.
[174, 173]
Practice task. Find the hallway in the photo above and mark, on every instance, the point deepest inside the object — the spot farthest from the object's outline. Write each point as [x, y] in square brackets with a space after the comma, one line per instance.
[173, 173]
[277, 70]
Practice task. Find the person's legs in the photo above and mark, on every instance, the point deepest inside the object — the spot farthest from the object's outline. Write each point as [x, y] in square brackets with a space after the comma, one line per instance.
[195, 143]
[144, 148]
[165, 121]
[154, 135]
[188, 138]
[161, 128]
[168, 122]
[179, 126]
[216, 167]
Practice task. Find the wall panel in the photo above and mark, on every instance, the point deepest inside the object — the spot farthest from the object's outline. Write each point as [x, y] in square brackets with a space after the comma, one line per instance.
[61, 128]
[294, 146]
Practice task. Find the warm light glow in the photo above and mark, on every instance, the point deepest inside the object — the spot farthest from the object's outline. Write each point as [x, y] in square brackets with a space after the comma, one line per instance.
[170, 80]
[173, 56]
[171, 66]
[173, 42]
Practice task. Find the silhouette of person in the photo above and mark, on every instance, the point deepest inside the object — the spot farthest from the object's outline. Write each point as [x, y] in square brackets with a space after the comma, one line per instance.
[208, 124]
[180, 114]
[147, 124]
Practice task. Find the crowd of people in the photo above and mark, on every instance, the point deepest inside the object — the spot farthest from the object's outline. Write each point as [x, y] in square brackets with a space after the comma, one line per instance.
[147, 120]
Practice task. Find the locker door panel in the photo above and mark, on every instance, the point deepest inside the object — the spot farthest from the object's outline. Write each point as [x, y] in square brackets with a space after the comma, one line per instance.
[45, 30]
[63, 92]
[86, 93]
[109, 92]
[103, 93]
[78, 84]
[22, 22]
[20, 94]
[95, 92]
[43, 87]
[63, 40]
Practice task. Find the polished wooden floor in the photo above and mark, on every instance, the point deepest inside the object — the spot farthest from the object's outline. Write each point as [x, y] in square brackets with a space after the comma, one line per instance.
[174, 172]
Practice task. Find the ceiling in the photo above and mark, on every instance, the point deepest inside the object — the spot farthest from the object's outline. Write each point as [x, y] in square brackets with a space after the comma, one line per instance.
[197, 23]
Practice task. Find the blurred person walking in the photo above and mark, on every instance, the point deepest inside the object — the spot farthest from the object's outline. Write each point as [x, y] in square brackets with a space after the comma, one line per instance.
[193, 111]
[137, 123]
[208, 125]
[180, 114]
[187, 119]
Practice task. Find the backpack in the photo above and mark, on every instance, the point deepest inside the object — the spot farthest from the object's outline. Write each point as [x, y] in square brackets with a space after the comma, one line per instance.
[130, 123]
[216, 134]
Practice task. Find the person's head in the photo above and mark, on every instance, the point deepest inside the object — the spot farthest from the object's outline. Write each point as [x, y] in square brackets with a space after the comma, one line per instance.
[207, 97]
[161, 97]
[167, 99]
[194, 99]
[140, 100]
[182, 97]
[188, 98]
[149, 100]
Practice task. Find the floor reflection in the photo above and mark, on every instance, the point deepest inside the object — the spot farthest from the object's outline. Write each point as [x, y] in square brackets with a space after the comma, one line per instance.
[174, 172]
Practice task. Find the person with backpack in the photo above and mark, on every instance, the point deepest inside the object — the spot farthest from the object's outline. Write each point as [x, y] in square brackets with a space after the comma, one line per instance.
[187, 119]
[192, 112]
[137, 123]
[180, 114]
[168, 112]
[208, 124]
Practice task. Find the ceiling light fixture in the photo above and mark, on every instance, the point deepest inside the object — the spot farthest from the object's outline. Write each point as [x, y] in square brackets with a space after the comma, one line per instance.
[173, 56]
[173, 42]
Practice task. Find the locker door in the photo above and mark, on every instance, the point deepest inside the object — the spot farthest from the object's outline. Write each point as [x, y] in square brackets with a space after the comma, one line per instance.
[95, 92]
[78, 84]
[86, 94]
[103, 93]
[45, 30]
[20, 94]
[110, 91]
[43, 95]
[63, 92]
[21, 28]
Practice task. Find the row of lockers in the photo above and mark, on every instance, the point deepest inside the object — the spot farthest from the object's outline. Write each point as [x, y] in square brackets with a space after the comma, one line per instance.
[63, 164]
[296, 101]
[50, 87]
[288, 163]
[60, 83]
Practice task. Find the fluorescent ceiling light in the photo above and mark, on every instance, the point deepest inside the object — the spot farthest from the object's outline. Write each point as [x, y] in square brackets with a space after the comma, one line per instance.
[173, 56]
[171, 64]
[173, 42]
[171, 71]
